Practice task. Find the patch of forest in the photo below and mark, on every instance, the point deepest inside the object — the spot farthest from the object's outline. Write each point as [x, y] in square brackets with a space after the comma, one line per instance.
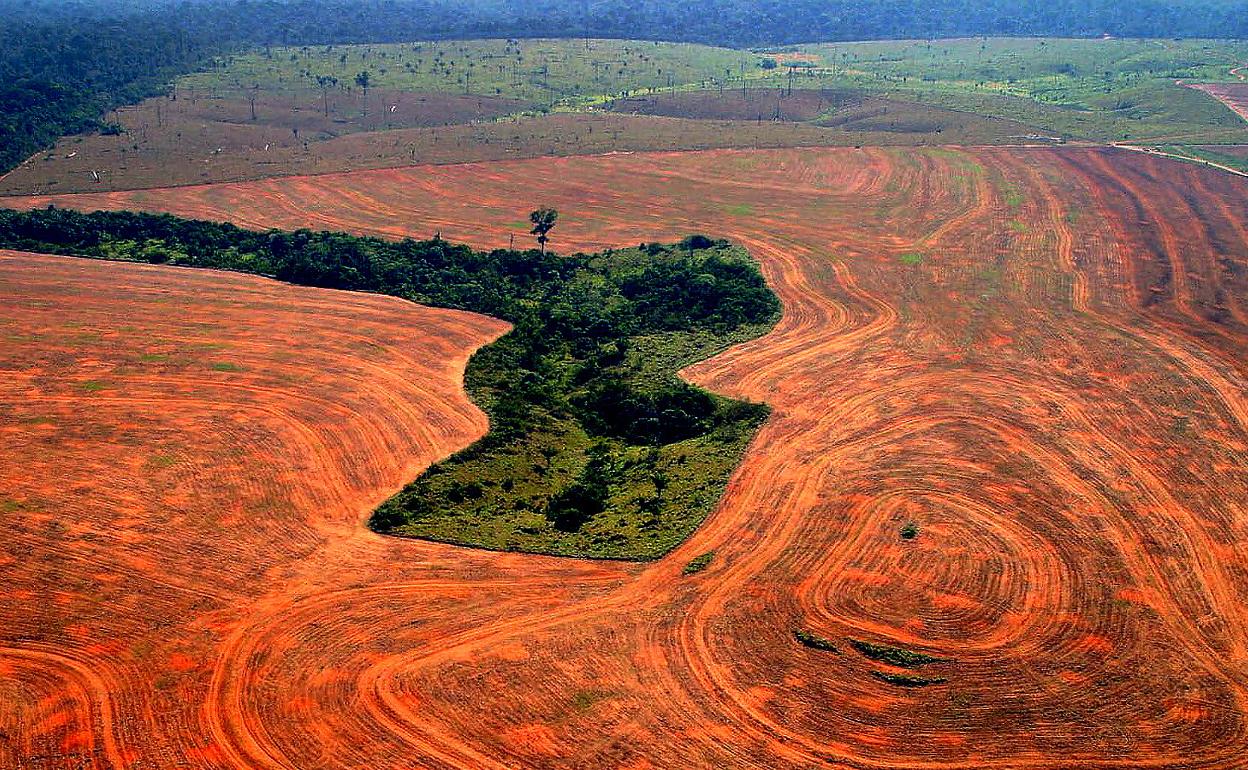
[596, 447]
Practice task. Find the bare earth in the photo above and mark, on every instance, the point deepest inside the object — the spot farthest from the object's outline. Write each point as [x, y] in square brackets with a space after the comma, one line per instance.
[1039, 357]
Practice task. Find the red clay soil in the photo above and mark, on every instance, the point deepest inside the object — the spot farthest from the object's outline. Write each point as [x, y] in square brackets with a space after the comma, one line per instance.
[1038, 357]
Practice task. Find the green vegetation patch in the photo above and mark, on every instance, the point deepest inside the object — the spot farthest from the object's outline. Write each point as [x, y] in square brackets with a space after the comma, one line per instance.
[595, 447]
[226, 366]
[92, 386]
[584, 700]
[909, 531]
[815, 642]
[1102, 90]
[698, 563]
[911, 258]
[1012, 195]
[893, 656]
[907, 680]
[542, 72]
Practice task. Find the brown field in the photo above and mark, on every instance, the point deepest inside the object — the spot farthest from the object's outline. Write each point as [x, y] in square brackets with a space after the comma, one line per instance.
[1038, 357]
[277, 115]
[848, 111]
[185, 148]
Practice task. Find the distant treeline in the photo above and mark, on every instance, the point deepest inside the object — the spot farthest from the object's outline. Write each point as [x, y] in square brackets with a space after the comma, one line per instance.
[63, 64]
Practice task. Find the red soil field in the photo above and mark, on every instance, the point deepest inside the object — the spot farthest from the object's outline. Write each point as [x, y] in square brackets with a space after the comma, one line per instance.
[1039, 357]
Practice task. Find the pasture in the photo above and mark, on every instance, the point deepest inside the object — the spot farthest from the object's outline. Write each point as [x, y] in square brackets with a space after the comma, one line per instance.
[287, 111]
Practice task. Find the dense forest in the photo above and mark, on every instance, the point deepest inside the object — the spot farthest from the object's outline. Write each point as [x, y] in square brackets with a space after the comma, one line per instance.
[595, 447]
[65, 63]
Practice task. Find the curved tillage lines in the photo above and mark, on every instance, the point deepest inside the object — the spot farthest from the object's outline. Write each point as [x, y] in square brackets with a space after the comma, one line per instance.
[58, 709]
[1037, 357]
[160, 420]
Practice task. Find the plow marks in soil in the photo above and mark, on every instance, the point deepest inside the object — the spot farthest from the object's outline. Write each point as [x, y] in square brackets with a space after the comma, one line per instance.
[1010, 429]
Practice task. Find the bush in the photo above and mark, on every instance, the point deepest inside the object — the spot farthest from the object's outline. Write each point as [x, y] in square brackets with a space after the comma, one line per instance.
[698, 563]
[807, 639]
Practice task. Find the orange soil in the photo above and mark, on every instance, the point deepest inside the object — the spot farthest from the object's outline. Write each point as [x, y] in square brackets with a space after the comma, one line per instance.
[1055, 394]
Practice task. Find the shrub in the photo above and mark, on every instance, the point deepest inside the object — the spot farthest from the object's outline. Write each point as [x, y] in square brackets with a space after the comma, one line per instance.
[815, 642]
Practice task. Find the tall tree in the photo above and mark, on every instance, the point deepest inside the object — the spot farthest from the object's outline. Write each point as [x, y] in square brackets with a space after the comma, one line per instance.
[326, 82]
[543, 222]
[362, 80]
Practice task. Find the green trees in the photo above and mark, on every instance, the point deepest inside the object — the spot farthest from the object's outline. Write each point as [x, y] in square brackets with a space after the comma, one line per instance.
[595, 446]
[363, 80]
[586, 497]
[543, 222]
[326, 82]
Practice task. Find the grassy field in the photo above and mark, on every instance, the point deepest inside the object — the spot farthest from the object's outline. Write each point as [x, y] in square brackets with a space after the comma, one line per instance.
[1210, 156]
[1102, 90]
[182, 148]
[288, 111]
[544, 72]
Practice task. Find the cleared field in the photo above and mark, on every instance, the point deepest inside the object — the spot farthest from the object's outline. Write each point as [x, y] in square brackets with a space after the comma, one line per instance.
[1102, 90]
[301, 111]
[1215, 156]
[997, 519]
[1233, 95]
[573, 71]
[182, 450]
[182, 150]
[856, 115]
[741, 104]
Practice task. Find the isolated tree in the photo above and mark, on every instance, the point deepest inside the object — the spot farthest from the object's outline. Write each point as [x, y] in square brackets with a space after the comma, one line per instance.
[543, 222]
[362, 80]
[326, 82]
